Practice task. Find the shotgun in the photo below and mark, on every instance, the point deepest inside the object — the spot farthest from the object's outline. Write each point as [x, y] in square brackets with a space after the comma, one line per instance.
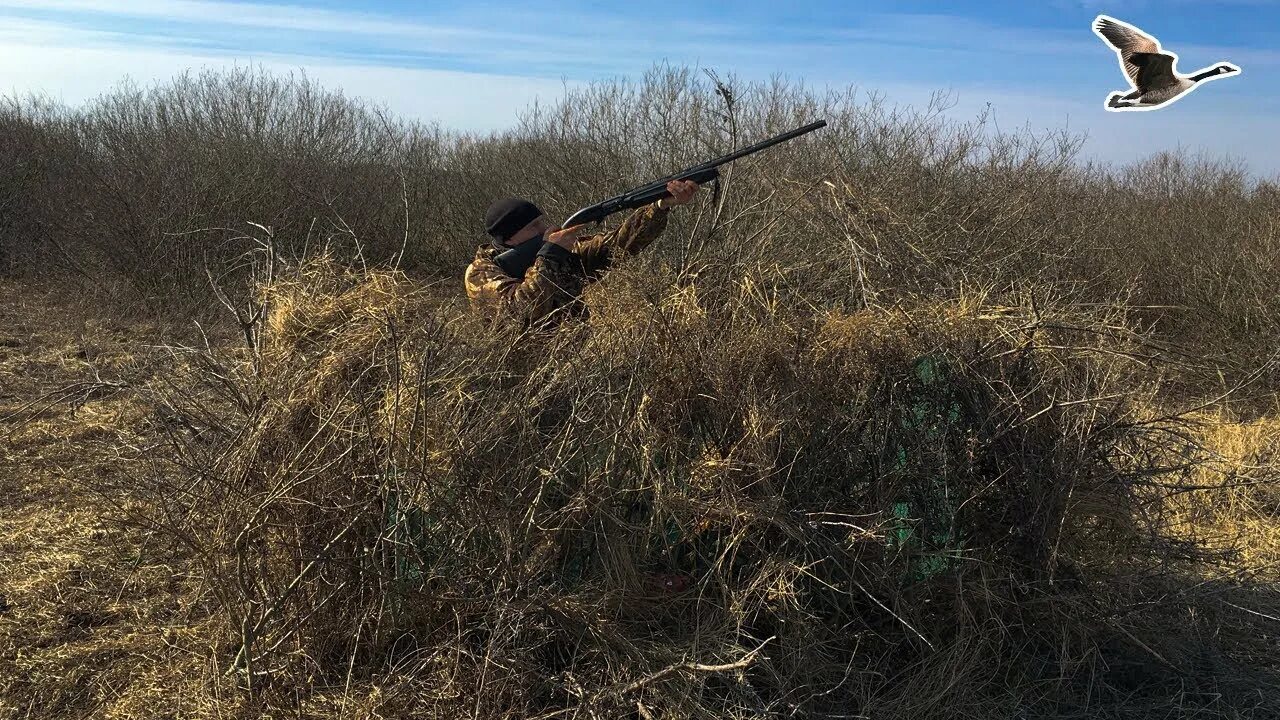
[656, 190]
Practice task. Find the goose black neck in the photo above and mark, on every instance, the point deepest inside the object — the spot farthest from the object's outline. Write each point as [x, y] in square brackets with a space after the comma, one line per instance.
[1211, 72]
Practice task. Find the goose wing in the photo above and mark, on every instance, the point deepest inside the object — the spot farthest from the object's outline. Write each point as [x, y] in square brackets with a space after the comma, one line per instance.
[1140, 54]
[1154, 70]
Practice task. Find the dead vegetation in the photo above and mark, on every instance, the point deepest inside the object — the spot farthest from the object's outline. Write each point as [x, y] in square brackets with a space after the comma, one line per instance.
[909, 427]
[687, 509]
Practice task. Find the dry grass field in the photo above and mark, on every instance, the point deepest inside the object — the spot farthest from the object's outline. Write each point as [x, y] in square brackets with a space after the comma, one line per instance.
[914, 425]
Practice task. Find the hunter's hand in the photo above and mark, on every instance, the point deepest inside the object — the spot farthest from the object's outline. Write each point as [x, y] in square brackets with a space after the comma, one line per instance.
[681, 192]
[568, 237]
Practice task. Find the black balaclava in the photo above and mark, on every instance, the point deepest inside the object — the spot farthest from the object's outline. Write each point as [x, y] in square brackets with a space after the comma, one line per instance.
[505, 218]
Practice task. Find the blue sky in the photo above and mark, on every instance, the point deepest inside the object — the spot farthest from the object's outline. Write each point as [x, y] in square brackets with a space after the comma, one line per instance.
[475, 65]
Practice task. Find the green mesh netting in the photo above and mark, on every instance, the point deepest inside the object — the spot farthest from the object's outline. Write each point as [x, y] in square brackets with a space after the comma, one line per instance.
[924, 517]
[410, 531]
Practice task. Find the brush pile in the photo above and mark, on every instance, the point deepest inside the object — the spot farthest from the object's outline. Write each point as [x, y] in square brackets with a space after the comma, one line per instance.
[707, 500]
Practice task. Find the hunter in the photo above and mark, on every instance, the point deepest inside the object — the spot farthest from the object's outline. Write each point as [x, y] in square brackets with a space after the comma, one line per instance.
[534, 273]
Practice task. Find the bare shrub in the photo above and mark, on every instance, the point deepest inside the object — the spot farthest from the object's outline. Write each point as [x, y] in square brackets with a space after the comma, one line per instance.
[161, 179]
[35, 143]
[150, 189]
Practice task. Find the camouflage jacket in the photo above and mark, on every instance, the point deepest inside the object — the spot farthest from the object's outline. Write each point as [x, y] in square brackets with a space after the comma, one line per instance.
[551, 287]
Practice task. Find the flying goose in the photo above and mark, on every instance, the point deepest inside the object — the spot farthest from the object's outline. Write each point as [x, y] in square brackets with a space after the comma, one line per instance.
[1149, 69]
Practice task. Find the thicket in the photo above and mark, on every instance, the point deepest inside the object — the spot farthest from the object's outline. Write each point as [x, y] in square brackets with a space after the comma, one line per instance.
[145, 192]
[901, 423]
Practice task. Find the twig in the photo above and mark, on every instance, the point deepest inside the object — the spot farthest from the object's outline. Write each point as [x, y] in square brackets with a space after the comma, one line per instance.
[1252, 612]
[404, 198]
[1146, 647]
[693, 667]
[896, 616]
[84, 388]
[250, 634]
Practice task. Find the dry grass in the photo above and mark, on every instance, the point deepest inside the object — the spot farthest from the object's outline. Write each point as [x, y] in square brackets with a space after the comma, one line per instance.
[87, 603]
[352, 500]
[734, 421]
[744, 446]
[1241, 516]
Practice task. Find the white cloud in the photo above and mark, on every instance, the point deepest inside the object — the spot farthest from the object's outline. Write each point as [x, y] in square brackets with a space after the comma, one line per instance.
[264, 15]
[75, 63]
[601, 44]
[957, 31]
[458, 100]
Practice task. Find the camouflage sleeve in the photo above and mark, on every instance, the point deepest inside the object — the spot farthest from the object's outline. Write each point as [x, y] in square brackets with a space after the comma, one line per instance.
[547, 285]
[641, 228]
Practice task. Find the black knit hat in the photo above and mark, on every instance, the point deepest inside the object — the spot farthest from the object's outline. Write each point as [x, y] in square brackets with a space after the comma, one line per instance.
[507, 216]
